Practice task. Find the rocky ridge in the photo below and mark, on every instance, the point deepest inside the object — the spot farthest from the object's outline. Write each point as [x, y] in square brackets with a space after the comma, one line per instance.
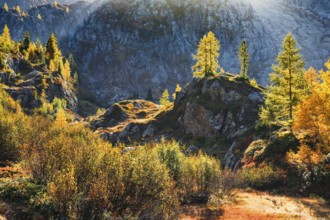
[25, 83]
[208, 114]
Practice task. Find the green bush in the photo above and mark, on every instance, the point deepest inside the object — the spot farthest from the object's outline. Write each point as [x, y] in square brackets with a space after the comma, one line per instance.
[263, 177]
[12, 128]
[197, 177]
[24, 191]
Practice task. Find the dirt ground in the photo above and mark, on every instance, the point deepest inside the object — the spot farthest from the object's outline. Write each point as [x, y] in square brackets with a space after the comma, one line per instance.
[259, 206]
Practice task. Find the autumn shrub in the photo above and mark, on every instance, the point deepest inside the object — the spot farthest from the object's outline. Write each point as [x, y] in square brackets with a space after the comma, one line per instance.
[263, 177]
[312, 127]
[149, 191]
[313, 167]
[12, 128]
[196, 177]
[63, 192]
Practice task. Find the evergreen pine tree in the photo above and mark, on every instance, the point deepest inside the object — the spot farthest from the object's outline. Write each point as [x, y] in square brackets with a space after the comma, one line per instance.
[207, 56]
[40, 51]
[26, 41]
[149, 95]
[287, 85]
[244, 58]
[51, 48]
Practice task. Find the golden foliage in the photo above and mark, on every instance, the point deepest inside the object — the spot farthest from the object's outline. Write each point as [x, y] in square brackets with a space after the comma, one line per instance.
[207, 56]
[306, 156]
[63, 191]
[164, 100]
[61, 119]
[313, 114]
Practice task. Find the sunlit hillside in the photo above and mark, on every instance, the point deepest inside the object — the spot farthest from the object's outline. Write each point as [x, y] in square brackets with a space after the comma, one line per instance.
[164, 109]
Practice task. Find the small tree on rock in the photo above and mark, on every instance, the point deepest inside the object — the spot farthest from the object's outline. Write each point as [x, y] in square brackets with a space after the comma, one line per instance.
[207, 56]
[244, 58]
[164, 100]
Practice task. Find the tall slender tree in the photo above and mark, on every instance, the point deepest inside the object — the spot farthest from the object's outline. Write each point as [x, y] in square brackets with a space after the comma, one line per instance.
[207, 63]
[26, 41]
[6, 35]
[51, 47]
[287, 85]
[6, 43]
[244, 58]
[53, 53]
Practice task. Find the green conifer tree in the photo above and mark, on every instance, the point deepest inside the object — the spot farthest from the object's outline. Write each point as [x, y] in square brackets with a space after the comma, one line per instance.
[51, 47]
[207, 56]
[287, 85]
[149, 95]
[40, 51]
[244, 58]
[26, 41]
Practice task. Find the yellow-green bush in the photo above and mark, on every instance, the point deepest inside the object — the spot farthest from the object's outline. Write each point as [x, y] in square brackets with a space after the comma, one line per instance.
[12, 123]
[194, 175]
[263, 177]
[86, 177]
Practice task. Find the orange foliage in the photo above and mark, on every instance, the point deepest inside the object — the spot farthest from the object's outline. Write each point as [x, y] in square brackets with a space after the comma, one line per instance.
[313, 114]
[305, 155]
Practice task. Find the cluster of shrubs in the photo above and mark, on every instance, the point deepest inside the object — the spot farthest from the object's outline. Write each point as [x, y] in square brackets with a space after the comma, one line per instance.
[81, 176]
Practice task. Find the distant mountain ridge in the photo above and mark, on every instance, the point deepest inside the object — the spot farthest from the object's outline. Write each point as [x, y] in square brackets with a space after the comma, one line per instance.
[27, 4]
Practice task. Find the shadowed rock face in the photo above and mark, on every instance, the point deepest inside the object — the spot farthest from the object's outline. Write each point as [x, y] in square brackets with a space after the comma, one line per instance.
[124, 47]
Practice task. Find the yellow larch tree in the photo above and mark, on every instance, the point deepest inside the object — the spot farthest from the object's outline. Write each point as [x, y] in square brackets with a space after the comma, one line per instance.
[207, 63]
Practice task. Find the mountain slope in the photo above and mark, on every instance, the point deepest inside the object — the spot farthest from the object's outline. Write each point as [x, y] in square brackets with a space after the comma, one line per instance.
[210, 114]
[126, 47]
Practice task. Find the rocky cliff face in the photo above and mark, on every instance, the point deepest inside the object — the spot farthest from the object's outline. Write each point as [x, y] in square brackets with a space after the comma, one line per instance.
[129, 47]
[208, 114]
[25, 83]
[53, 20]
[126, 47]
